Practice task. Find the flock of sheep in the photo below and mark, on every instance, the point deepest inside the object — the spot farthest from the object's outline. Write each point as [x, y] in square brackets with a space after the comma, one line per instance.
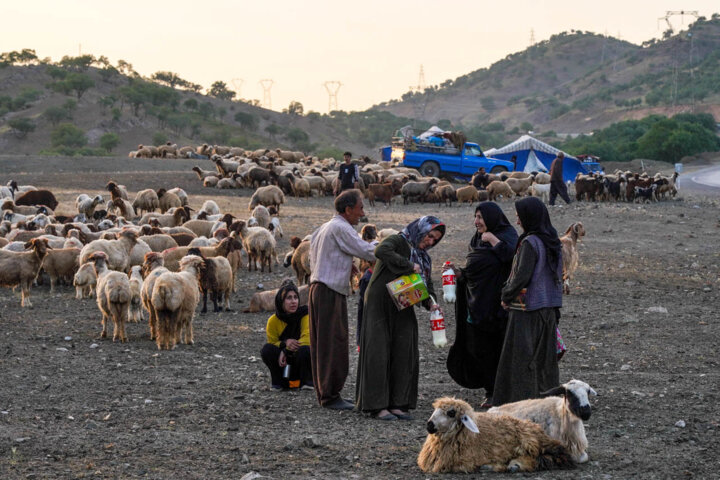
[159, 255]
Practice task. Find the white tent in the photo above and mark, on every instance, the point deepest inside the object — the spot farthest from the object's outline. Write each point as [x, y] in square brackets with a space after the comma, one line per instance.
[533, 164]
[526, 142]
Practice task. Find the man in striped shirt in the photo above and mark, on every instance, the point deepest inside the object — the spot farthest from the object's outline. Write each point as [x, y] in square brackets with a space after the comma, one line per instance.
[332, 248]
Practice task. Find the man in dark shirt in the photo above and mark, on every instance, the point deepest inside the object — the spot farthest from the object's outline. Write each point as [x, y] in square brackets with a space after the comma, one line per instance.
[480, 179]
[557, 185]
[348, 176]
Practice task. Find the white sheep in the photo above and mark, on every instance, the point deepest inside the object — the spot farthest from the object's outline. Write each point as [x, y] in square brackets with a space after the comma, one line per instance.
[261, 216]
[151, 269]
[117, 251]
[136, 283]
[174, 298]
[560, 416]
[541, 190]
[210, 207]
[84, 281]
[113, 296]
[260, 245]
[85, 204]
[275, 227]
[181, 194]
[269, 195]
[462, 440]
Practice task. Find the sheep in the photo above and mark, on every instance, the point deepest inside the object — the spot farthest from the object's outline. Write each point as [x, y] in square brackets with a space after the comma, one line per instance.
[169, 150]
[117, 251]
[116, 191]
[267, 196]
[383, 192]
[462, 440]
[159, 242]
[168, 200]
[467, 194]
[230, 182]
[37, 197]
[210, 207]
[541, 190]
[261, 215]
[300, 186]
[73, 240]
[384, 233]
[542, 178]
[497, 188]
[520, 185]
[300, 262]
[173, 256]
[174, 299]
[25, 210]
[275, 228]
[146, 200]
[177, 218]
[265, 301]
[570, 254]
[260, 245]
[123, 206]
[202, 174]
[7, 192]
[205, 228]
[21, 268]
[59, 263]
[216, 277]
[84, 281]
[86, 205]
[136, 284]
[113, 296]
[446, 194]
[417, 190]
[211, 181]
[256, 176]
[151, 269]
[645, 195]
[225, 167]
[181, 194]
[560, 414]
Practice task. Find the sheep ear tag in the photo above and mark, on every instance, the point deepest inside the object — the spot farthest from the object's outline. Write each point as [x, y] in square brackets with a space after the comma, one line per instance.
[469, 424]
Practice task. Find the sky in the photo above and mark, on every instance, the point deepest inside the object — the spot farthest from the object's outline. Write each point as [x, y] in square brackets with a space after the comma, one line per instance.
[375, 48]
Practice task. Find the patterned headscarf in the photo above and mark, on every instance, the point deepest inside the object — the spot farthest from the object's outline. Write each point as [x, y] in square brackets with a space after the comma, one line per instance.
[414, 232]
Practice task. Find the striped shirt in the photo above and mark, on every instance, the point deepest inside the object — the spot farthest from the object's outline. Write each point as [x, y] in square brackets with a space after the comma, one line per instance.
[332, 248]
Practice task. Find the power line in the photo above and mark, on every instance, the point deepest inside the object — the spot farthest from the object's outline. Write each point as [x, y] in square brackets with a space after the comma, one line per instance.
[238, 83]
[332, 87]
[267, 84]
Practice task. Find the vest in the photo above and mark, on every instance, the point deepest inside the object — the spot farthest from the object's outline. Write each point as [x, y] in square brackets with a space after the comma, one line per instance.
[544, 290]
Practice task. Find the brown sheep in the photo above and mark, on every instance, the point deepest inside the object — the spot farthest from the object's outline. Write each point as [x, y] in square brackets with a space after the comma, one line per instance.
[151, 269]
[464, 441]
[168, 200]
[570, 254]
[467, 194]
[21, 268]
[265, 301]
[60, 263]
[85, 281]
[497, 188]
[113, 296]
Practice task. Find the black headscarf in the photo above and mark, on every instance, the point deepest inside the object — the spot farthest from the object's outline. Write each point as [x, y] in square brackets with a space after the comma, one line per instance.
[496, 223]
[293, 320]
[535, 220]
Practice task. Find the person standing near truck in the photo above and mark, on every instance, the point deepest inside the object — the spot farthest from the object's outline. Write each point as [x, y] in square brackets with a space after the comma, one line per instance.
[348, 176]
[557, 185]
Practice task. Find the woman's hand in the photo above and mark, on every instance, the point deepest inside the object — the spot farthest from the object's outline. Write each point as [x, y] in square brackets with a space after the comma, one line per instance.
[449, 265]
[435, 307]
[504, 305]
[490, 238]
[416, 268]
[292, 345]
[282, 361]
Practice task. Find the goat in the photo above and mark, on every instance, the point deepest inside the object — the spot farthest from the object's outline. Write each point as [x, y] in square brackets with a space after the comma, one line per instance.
[570, 255]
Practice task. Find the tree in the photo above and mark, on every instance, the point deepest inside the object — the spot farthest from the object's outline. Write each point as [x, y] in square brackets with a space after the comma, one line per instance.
[246, 120]
[221, 112]
[220, 90]
[272, 130]
[526, 126]
[55, 115]
[206, 110]
[79, 82]
[68, 135]
[297, 135]
[295, 108]
[191, 104]
[80, 63]
[21, 126]
[169, 78]
[109, 140]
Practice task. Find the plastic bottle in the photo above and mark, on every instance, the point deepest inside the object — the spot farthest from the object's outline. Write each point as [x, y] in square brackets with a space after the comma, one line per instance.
[448, 283]
[437, 325]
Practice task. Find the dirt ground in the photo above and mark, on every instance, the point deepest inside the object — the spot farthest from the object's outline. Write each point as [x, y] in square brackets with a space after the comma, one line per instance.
[641, 325]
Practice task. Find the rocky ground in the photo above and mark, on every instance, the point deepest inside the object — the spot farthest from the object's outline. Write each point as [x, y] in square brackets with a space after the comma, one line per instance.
[641, 325]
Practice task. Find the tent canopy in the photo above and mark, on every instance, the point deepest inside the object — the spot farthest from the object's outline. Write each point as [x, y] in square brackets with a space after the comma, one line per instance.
[532, 155]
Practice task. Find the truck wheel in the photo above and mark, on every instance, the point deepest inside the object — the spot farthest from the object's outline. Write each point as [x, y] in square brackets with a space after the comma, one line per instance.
[498, 170]
[429, 169]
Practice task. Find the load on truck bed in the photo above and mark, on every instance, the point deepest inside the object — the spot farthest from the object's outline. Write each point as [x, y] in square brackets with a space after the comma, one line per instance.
[435, 151]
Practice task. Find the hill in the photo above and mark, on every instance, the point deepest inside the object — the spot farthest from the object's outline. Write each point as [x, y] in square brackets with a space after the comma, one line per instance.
[579, 81]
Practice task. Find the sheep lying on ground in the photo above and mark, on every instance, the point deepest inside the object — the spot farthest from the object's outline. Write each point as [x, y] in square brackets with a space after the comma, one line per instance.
[560, 416]
[265, 301]
[461, 440]
[570, 254]
[174, 298]
[85, 281]
[136, 283]
[113, 296]
[21, 268]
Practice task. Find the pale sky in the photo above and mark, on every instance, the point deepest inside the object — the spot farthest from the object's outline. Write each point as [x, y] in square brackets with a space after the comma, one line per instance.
[374, 47]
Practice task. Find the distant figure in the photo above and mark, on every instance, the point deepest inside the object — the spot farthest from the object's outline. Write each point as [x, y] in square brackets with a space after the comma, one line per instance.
[557, 185]
[349, 175]
[513, 159]
[480, 179]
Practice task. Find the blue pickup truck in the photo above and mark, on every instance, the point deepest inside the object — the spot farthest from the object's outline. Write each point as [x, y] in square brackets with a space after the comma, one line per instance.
[432, 161]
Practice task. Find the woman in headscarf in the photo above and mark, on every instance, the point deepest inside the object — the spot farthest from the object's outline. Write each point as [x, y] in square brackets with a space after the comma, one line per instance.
[533, 294]
[288, 341]
[388, 369]
[481, 320]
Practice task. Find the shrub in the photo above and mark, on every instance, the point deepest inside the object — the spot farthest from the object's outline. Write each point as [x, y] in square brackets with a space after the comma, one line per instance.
[109, 140]
[21, 126]
[68, 135]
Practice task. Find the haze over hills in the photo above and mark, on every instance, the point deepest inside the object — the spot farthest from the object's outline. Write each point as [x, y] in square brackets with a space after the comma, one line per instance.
[581, 81]
[574, 82]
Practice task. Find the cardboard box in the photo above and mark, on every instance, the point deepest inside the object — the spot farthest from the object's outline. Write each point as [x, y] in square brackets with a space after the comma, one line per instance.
[407, 290]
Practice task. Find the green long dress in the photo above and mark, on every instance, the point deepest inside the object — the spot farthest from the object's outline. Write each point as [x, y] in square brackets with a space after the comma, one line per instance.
[388, 369]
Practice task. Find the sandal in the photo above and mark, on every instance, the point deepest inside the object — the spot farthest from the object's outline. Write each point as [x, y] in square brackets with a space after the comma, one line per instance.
[388, 417]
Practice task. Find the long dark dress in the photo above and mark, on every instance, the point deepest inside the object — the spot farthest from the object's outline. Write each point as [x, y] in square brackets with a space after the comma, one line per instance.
[481, 321]
[388, 369]
[528, 363]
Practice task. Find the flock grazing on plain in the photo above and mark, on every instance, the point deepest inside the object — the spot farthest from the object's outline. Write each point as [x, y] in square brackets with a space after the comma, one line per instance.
[154, 254]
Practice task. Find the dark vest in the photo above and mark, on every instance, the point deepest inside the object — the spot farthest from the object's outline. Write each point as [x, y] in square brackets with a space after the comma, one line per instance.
[544, 290]
[347, 175]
